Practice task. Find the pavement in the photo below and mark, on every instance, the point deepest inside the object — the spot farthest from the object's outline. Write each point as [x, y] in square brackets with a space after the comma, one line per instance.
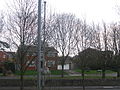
[65, 88]
[73, 73]
[70, 73]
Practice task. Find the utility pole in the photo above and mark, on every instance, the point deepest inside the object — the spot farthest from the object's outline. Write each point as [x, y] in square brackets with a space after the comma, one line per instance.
[44, 27]
[39, 61]
[44, 45]
[44, 18]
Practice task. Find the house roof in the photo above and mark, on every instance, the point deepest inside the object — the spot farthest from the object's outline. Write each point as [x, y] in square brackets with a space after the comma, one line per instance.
[12, 53]
[89, 50]
[52, 49]
[68, 60]
[33, 48]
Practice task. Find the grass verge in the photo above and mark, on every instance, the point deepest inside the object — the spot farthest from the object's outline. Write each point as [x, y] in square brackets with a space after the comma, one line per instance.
[33, 72]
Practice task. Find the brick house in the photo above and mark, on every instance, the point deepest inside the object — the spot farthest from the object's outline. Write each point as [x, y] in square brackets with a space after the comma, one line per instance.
[11, 56]
[51, 57]
[3, 56]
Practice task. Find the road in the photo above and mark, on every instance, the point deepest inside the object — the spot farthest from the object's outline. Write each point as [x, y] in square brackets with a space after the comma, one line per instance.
[61, 88]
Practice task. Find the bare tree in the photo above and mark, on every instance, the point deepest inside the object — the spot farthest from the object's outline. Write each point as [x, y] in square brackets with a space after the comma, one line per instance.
[1, 22]
[22, 26]
[61, 35]
[81, 39]
[115, 38]
[94, 36]
[3, 44]
[104, 60]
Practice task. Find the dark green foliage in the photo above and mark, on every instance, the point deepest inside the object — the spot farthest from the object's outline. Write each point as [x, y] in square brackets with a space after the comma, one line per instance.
[1, 70]
[94, 59]
[9, 66]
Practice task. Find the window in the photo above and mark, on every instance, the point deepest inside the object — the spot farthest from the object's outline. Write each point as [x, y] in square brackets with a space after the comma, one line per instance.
[4, 56]
[32, 63]
[50, 63]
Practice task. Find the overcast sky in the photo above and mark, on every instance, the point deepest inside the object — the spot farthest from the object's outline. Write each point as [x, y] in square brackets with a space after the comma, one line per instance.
[92, 10]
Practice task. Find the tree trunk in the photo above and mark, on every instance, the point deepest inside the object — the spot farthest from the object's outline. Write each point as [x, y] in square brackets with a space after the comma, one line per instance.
[62, 74]
[83, 78]
[21, 81]
[103, 73]
[118, 73]
[4, 71]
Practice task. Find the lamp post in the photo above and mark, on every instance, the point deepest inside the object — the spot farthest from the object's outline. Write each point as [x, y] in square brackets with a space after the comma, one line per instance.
[39, 61]
[44, 45]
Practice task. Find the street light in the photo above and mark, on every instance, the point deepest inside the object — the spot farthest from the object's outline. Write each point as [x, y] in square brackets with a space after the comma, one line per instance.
[40, 62]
